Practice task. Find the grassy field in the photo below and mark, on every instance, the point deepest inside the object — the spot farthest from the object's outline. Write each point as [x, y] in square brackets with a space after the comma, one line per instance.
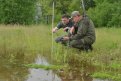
[105, 57]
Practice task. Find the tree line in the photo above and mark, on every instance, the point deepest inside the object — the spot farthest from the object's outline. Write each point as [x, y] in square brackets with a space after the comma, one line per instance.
[102, 12]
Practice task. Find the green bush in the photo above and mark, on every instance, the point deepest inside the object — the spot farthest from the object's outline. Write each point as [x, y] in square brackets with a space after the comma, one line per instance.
[106, 14]
[17, 11]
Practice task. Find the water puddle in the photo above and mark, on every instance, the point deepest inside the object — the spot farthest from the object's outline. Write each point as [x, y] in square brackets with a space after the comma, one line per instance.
[10, 70]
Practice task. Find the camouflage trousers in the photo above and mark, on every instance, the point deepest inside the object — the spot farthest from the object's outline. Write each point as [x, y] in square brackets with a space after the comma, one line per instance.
[79, 44]
[74, 43]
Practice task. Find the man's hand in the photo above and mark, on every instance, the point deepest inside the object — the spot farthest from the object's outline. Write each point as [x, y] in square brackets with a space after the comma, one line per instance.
[65, 38]
[54, 30]
[66, 28]
[72, 30]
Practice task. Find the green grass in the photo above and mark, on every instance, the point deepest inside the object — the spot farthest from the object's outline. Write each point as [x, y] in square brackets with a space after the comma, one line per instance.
[107, 75]
[15, 39]
[46, 67]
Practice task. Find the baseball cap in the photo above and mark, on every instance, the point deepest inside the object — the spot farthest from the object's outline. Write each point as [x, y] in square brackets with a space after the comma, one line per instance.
[75, 13]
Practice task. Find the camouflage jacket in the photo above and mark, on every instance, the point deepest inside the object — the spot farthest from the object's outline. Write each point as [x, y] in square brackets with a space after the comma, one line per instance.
[86, 31]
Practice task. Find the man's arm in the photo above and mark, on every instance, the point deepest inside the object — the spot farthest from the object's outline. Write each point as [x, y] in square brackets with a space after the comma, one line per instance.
[59, 25]
[66, 29]
[82, 29]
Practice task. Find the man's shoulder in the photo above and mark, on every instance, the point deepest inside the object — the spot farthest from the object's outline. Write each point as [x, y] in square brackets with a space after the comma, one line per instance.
[86, 20]
[60, 25]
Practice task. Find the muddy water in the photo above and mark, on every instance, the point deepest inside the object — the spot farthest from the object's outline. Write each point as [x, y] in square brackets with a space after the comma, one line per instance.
[40, 74]
[11, 70]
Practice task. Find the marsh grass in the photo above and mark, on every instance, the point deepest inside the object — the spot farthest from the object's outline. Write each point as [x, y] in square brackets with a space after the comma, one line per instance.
[108, 75]
[36, 39]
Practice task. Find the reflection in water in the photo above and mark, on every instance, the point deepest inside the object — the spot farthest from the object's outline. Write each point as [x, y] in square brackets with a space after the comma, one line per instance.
[100, 80]
[40, 74]
[11, 70]
[10, 67]
[75, 75]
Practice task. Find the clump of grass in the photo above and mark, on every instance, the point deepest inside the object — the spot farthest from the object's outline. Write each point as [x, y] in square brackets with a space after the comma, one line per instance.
[46, 67]
[101, 75]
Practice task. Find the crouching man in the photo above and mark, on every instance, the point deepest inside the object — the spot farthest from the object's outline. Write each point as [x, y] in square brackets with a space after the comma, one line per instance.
[85, 36]
[65, 23]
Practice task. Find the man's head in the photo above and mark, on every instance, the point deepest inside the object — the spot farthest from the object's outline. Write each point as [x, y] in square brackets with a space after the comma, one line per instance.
[76, 16]
[65, 19]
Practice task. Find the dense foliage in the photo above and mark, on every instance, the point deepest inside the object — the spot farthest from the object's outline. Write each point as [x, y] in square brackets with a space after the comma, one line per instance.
[106, 13]
[102, 12]
[17, 11]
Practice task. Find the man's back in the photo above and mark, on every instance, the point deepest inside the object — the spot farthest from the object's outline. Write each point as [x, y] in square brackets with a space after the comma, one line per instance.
[90, 29]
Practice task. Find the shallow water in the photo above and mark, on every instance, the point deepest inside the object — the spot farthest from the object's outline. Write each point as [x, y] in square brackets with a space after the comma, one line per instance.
[40, 74]
[12, 70]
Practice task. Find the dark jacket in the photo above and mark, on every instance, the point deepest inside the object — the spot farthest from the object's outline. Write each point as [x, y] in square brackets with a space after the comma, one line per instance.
[61, 25]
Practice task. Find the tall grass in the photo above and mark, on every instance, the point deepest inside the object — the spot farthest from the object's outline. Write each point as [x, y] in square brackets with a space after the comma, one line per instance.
[38, 39]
